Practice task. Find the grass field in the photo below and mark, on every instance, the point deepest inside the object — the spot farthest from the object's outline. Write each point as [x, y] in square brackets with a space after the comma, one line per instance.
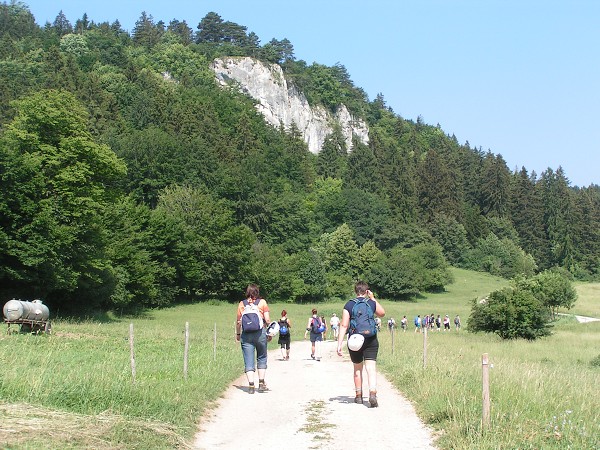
[74, 388]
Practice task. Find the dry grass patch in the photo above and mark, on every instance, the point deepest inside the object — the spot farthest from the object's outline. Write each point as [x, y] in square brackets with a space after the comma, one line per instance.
[25, 425]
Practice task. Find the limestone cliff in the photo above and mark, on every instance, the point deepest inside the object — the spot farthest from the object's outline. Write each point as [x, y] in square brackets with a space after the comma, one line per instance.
[282, 104]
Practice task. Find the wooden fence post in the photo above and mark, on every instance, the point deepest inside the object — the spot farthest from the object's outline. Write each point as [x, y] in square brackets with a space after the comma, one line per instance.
[186, 349]
[215, 343]
[485, 415]
[131, 352]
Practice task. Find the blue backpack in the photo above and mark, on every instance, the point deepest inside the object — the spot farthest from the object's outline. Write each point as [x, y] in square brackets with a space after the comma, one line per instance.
[362, 318]
[283, 328]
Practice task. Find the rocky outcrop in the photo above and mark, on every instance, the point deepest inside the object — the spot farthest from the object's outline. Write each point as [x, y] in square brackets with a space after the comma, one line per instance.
[282, 104]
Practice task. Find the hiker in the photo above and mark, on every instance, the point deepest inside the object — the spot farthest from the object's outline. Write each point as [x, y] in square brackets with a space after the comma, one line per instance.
[284, 335]
[404, 324]
[418, 323]
[378, 323]
[438, 322]
[315, 328]
[324, 327]
[446, 323]
[457, 322]
[391, 324]
[252, 317]
[334, 322]
[360, 320]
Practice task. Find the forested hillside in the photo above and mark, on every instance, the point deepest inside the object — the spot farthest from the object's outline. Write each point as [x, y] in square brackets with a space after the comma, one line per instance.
[129, 178]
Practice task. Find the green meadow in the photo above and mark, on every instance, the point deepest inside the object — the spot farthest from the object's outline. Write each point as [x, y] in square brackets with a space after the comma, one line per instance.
[75, 388]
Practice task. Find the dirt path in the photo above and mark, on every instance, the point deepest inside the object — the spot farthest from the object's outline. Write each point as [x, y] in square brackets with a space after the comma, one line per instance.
[580, 319]
[310, 405]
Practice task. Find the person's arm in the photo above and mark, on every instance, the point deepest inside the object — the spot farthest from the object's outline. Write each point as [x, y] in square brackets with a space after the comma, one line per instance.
[238, 325]
[343, 329]
[307, 328]
[379, 311]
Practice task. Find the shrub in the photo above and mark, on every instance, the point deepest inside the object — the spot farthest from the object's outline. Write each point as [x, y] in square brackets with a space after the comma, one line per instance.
[552, 288]
[510, 313]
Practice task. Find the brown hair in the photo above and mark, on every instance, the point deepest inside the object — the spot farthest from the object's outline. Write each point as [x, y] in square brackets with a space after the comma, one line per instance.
[283, 313]
[361, 288]
[314, 311]
[252, 291]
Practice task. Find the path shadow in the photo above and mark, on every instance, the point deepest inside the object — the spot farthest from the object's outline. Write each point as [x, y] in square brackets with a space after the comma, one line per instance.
[342, 399]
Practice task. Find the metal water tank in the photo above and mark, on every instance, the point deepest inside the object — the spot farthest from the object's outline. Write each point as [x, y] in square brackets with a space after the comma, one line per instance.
[38, 311]
[13, 309]
[19, 310]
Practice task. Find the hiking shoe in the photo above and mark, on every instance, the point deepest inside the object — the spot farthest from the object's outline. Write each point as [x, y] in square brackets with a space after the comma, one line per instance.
[251, 389]
[373, 400]
[262, 387]
[358, 398]
[312, 356]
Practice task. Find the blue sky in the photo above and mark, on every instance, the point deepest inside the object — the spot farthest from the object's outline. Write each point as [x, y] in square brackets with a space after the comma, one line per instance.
[516, 77]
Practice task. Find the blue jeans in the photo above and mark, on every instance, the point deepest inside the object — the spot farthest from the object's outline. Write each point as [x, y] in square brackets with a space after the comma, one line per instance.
[254, 341]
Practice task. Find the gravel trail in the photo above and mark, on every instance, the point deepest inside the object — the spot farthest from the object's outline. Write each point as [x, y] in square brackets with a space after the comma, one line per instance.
[310, 405]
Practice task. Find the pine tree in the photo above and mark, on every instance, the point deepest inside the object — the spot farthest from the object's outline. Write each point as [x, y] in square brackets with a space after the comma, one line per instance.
[526, 212]
[494, 186]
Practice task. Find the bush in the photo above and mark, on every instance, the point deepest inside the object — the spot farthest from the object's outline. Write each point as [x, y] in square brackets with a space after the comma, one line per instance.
[510, 313]
[552, 288]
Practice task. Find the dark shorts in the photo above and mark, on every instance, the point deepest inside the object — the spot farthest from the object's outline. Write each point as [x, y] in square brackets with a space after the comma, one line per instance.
[314, 337]
[285, 341]
[369, 350]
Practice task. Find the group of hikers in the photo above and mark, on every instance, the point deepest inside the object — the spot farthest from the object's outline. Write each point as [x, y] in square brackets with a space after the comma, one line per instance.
[431, 322]
[254, 329]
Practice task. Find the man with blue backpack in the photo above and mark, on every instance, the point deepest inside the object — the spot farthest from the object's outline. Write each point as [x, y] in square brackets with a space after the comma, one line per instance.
[358, 320]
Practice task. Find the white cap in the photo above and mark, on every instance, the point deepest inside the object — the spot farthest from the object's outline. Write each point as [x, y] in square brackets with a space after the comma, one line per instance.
[355, 342]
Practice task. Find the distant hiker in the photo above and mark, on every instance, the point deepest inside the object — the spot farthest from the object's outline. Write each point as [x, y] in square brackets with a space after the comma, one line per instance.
[418, 323]
[457, 322]
[391, 324]
[335, 325]
[284, 335]
[358, 320]
[446, 323]
[404, 324]
[378, 323]
[252, 315]
[315, 327]
[438, 322]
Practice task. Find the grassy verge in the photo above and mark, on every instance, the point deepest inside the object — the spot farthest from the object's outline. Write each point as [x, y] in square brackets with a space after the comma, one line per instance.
[74, 389]
[543, 394]
[81, 374]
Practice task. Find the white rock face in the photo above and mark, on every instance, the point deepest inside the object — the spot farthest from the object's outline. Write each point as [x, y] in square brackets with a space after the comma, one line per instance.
[282, 104]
